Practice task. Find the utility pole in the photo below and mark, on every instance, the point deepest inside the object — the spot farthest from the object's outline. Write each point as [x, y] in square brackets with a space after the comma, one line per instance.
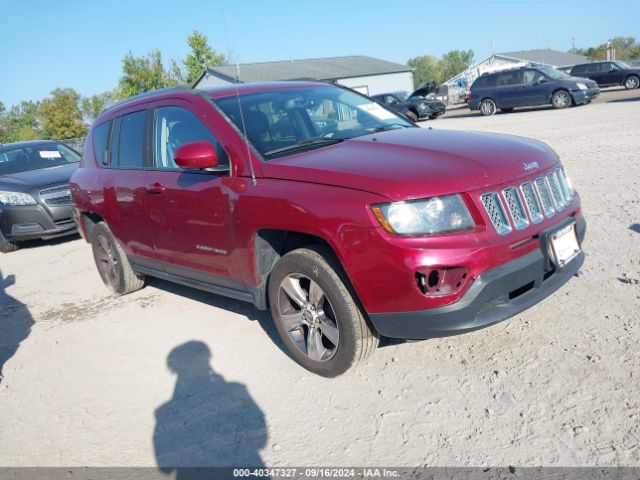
[573, 44]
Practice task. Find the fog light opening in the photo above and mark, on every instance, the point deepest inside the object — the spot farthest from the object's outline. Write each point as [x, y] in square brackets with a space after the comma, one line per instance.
[441, 280]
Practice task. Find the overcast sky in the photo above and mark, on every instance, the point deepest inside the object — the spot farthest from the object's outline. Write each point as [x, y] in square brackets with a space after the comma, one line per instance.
[81, 43]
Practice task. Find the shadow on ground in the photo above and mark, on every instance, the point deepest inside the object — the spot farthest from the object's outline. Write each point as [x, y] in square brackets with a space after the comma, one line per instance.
[208, 421]
[15, 322]
[39, 242]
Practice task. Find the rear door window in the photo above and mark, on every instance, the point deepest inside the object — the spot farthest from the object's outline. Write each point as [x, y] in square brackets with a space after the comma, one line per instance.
[510, 78]
[579, 69]
[131, 151]
[100, 141]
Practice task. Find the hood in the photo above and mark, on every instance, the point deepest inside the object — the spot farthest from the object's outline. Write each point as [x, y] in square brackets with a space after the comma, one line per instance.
[25, 181]
[586, 80]
[416, 162]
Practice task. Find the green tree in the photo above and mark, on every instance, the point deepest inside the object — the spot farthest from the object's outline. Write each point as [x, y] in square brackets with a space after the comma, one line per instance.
[60, 115]
[627, 48]
[455, 62]
[20, 123]
[141, 74]
[94, 105]
[426, 68]
[200, 57]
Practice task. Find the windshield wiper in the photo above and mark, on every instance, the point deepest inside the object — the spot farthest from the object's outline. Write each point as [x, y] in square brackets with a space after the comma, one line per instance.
[391, 126]
[303, 145]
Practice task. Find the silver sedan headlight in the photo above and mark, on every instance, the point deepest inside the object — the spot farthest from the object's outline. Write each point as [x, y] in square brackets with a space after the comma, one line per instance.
[424, 217]
[16, 198]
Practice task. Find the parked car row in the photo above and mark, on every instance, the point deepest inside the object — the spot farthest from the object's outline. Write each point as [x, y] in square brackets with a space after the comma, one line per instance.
[319, 204]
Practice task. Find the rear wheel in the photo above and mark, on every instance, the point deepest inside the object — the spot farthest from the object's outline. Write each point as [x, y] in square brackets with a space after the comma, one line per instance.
[631, 82]
[316, 316]
[112, 263]
[7, 246]
[487, 107]
[561, 99]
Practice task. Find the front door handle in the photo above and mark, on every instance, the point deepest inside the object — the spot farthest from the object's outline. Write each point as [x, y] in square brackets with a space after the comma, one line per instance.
[155, 189]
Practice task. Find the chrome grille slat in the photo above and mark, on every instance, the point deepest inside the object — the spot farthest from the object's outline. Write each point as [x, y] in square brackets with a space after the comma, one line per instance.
[564, 184]
[556, 191]
[532, 203]
[545, 197]
[495, 210]
[516, 209]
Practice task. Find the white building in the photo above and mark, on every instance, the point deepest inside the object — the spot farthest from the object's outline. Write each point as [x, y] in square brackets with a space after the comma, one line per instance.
[367, 75]
[458, 85]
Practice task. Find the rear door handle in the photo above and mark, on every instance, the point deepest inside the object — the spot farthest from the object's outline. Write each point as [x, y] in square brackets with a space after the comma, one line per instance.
[155, 189]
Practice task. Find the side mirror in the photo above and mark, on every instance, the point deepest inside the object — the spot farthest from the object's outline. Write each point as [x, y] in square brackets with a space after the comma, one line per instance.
[199, 155]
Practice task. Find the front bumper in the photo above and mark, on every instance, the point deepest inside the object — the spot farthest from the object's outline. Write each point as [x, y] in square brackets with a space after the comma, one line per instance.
[495, 295]
[26, 222]
[583, 96]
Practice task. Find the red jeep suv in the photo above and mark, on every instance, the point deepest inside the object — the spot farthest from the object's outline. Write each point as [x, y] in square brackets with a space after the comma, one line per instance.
[344, 219]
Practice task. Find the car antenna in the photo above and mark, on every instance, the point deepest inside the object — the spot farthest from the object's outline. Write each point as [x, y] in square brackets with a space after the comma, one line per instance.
[244, 126]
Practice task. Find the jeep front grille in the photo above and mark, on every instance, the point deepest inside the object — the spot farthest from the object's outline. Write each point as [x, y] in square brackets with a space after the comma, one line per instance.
[529, 203]
[516, 209]
[495, 210]
[531, 200]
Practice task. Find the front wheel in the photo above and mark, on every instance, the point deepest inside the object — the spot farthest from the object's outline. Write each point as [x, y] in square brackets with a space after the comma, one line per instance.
[317, 318]
[7, 246]
[561, 99]
[411, 116]
[487, 107]
[112, 263]
[631, 82]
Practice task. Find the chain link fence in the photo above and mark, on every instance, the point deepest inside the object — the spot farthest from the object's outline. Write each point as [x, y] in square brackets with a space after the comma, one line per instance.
[75, 143]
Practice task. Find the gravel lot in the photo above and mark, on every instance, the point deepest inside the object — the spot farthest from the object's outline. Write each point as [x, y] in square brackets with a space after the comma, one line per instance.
[556, 385]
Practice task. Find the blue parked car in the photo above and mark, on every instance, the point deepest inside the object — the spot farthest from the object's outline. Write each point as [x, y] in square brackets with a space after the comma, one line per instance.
[529, 86]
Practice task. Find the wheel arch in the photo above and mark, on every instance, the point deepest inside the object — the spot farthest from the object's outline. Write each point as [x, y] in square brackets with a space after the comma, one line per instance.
[272, 244]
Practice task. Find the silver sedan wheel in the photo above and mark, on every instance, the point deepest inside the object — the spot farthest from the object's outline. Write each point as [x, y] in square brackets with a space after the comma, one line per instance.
[561, 100]
[308, 317]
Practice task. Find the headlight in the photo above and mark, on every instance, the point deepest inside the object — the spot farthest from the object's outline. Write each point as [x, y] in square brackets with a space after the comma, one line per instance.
[582, 86]
[16, 198]
[428, 216]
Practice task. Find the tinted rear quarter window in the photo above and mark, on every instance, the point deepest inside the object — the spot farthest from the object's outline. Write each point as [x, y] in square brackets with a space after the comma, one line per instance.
[100, 140]
[579, 69]
[485, 81]
[132, 139]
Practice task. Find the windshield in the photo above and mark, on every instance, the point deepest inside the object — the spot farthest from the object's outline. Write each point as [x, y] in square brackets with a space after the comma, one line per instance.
[623, 64]
[35, 157]
[284, 122]
[402, 95]
[555, 74]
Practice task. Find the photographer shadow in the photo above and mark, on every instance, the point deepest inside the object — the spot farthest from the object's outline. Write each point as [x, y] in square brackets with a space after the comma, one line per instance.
[208, 422]
[15, 322]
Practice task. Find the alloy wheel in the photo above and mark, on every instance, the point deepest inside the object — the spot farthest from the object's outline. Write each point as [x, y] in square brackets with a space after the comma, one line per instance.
[308, 317]
[106, 260]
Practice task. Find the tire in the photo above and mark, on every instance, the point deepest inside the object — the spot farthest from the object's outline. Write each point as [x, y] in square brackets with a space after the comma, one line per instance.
[322, 326]
[7, 246]
[112, 263]
[506, 110]
[561, 99]
[488, 107]
[632, 82]
[411, 116]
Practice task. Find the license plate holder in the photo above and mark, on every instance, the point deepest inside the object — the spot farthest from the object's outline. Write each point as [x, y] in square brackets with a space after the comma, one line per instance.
[563, 245]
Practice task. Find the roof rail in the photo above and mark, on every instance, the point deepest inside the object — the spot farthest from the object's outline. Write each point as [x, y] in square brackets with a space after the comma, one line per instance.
[145, 94]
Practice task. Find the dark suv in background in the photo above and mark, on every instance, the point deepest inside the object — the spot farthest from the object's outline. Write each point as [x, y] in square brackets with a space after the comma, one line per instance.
[411, 106]
[608, 74]
[529, 86]
[35, 201]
